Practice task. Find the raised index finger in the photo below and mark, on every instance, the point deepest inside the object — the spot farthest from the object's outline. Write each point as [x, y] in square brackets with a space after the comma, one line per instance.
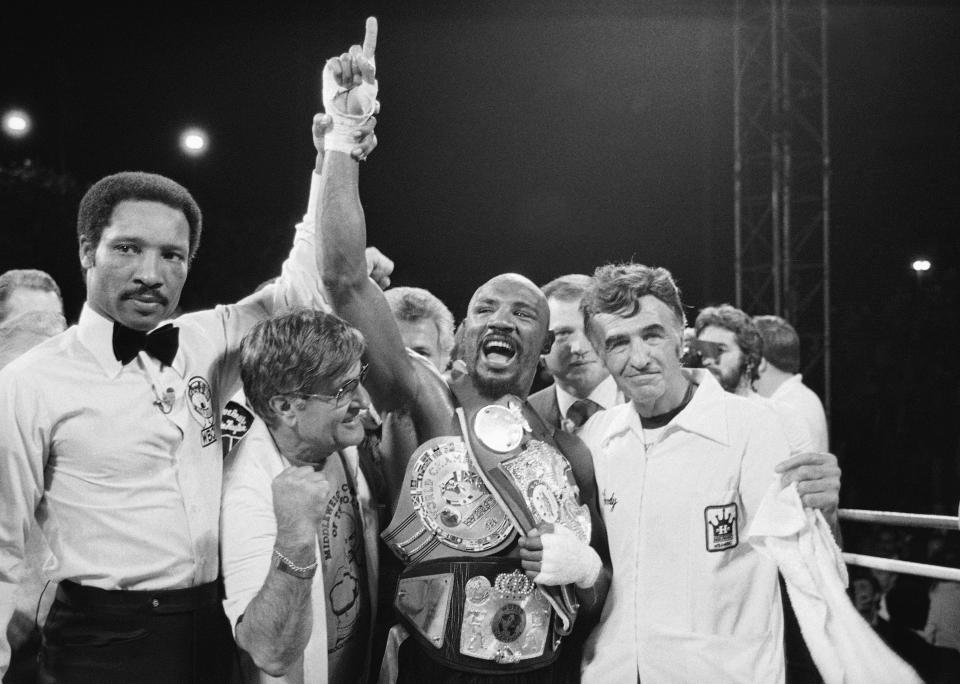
[370, 39]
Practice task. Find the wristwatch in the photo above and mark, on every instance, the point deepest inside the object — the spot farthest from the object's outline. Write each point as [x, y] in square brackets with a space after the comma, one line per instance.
[286, 565]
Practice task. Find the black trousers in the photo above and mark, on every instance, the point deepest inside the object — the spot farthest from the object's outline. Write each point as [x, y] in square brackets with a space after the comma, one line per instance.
[95, 636]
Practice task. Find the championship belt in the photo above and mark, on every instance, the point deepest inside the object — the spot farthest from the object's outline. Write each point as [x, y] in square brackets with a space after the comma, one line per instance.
[510, 449]
[482, 615]
[447, 509]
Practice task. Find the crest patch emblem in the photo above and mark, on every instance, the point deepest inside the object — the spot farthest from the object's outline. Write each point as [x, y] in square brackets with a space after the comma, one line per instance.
[200, 401]
[721, 526]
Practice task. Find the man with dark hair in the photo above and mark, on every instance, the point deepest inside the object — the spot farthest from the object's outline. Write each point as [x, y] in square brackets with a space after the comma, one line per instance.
[27, 291]
[738, 345]
[299, 540]
[732, 349]
[780, 378]
[110, 432]
[581, 385]
[425, 323]
[681, 470]
[479, 603]
[98, 206]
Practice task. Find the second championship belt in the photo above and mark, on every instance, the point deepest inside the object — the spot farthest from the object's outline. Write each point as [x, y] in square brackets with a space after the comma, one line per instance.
[510, 449]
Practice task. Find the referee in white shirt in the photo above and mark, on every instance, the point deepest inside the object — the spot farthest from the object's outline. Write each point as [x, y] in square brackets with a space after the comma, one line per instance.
[109, 433]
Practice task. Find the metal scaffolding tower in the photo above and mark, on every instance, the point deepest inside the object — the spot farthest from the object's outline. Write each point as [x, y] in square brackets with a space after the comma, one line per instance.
[782, 171]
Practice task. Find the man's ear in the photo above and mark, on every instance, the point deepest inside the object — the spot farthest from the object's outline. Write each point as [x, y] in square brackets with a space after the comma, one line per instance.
[87, 250]
[548, 342]
[282, 408]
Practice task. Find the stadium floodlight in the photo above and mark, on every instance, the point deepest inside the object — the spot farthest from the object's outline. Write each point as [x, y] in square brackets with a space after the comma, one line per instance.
[194, 142]
[16, 123]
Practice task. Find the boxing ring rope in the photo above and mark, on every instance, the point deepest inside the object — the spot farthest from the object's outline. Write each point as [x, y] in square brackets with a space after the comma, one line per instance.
[936, 522]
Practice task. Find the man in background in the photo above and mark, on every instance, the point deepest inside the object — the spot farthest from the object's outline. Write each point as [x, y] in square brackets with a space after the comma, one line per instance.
[779, 377]
[425, 323]
[581, 385]
[31, 311]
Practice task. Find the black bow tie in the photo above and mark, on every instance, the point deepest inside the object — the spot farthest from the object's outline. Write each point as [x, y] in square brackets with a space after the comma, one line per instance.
[161, 344]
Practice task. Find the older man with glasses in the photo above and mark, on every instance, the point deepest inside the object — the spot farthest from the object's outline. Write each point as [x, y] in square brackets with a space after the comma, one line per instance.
[298, 535]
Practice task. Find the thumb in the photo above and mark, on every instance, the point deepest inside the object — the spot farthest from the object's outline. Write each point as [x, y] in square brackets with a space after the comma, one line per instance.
[368, 68]
[321, 124]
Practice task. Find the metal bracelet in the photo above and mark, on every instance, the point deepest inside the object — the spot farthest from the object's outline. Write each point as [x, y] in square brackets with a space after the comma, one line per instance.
[286, 565]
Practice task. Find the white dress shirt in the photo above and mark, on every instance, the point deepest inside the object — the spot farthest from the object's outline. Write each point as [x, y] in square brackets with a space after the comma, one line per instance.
[606, 394]
[804, 402]
[249, 529]
[122, 464]
[691, 600]
[795, 428]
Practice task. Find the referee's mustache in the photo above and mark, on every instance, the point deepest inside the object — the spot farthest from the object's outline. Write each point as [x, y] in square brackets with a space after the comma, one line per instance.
[146, 294]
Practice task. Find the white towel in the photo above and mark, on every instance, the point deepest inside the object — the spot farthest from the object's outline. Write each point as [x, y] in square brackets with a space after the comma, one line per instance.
[844, 647]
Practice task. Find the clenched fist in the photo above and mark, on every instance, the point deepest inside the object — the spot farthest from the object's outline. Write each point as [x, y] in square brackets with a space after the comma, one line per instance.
[299, 496]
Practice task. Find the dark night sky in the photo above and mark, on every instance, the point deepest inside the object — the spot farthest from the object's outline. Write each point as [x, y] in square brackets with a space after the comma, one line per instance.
[503, 129]
[541, 137]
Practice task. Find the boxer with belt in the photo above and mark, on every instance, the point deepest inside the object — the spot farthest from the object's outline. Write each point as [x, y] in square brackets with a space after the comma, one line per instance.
[497, 518]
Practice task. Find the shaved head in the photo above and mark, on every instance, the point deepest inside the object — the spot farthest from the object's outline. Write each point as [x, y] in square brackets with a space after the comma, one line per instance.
[510, 279]
[504, 332]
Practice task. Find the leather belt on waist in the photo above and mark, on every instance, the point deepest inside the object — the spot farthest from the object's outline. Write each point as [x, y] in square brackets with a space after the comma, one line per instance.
[125, 602]
[479, 615]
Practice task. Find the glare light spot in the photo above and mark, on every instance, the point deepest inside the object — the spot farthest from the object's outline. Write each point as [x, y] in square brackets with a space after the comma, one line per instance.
[193, 141]
[921, 265]
[16, 123]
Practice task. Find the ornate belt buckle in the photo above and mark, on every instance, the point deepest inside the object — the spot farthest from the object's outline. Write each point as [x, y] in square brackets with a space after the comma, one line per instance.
[453, 502]
[507, 622]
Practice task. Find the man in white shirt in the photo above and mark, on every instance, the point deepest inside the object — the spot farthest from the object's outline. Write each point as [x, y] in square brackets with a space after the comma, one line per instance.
[581, 385]
[111, 435]
[299, 540]
[780, 379]
[681, 469]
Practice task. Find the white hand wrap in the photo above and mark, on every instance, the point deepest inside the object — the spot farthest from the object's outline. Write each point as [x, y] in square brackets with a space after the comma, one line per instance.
[340, 136]
[567, 560]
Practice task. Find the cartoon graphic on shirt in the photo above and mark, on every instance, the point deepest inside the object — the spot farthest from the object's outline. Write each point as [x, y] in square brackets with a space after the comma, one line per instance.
[341, 546]
[200, 401]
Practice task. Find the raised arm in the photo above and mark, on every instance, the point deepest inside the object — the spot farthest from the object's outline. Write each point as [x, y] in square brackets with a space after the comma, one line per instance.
[348, 83]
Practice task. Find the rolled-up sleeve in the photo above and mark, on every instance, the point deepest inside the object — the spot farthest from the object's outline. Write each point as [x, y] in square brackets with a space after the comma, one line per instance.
[248, 529]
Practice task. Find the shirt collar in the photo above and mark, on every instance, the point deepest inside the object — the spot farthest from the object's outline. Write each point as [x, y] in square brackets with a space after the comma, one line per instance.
[606, 394]
[787, 385]
[95, 332]
[706, 414]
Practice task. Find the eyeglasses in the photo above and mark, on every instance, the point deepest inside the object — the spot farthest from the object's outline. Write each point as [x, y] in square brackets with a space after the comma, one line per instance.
[343, 394]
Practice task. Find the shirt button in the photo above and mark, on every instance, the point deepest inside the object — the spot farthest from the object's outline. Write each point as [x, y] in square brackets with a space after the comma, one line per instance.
[155, 603]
